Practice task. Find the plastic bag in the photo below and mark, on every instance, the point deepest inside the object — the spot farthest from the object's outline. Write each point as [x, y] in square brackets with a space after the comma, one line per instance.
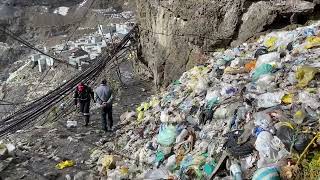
[312, 42]
[268, 58]
[299, 116]
[270, 42]
[265, 82]
[71, 124]
[260, 51]
[287, 98]
[290, 138]
[124, 171]
[156, 174]
[250, 66]
[154, 102]
[262, 120]
[304, 75]
[159, 156]
[184, 133]
[261, 70]
[140, 116]
[141, 109]
[212, 98]
[171, 163]
[266, 173]
[208, 168]
[65, 164]
[185, 163]
[309, 99]
[269, 99]
[164, 116]
[202, 85]
[292, 78]
[108, 161]
[211, 103]
[167, 135]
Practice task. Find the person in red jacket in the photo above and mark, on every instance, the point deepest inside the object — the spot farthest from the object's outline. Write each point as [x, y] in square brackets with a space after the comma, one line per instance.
[82, 97]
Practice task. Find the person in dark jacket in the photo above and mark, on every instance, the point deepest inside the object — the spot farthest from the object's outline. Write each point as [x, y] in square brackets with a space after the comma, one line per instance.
[104, 97]
[82, 97]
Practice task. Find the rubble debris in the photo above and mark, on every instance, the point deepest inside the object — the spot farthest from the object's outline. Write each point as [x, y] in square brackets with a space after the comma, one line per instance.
[256, 106]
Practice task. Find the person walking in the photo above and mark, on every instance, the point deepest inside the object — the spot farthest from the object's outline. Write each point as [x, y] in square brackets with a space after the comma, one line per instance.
[104, 98]
[82, 97]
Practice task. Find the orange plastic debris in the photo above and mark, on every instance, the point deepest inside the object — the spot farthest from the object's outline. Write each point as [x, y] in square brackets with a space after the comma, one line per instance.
[250, 66]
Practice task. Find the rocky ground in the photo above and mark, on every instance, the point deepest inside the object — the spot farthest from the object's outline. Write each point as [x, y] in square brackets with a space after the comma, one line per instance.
[40, 148]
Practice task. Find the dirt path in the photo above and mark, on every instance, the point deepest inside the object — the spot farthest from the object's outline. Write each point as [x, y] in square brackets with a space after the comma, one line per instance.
[39, 149]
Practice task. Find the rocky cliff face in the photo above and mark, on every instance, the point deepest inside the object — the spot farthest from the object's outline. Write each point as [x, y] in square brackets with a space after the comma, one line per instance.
[176, 33]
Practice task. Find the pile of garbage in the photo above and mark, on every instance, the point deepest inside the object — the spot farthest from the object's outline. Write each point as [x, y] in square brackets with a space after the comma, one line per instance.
[251, 112]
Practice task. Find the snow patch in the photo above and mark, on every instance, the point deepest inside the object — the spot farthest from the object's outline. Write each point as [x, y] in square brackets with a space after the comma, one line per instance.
[61, 10]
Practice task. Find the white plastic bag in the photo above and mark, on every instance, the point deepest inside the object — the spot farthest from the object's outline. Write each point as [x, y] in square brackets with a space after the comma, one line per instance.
[262, 120]
[72, 124]
[265, 82]
[156, 174]
[270, 99]
[268, 58]
[171, 162]
[202, 85]
[164, 116]
[184, 133]
[311, 100]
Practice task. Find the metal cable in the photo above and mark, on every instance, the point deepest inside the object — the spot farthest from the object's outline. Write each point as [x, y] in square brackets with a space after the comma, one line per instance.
[29, 114]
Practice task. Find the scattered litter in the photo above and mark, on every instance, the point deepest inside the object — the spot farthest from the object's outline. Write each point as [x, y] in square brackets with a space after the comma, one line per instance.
[65, 164]
[72, 124]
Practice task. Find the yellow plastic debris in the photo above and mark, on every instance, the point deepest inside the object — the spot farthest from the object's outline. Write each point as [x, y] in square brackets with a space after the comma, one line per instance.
[313, 41]
[140, 116]
[288, 124]
[287, 99]
[299, 116]
[270, 43]
[305, 74]
[65, 164]
[141, 109]
[154, 102]
[124, 171]
[107, 161]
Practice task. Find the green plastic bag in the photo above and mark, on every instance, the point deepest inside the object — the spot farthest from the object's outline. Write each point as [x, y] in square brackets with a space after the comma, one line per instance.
[167, 135]
[159, 156]
[261, 70]
[212, 102]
